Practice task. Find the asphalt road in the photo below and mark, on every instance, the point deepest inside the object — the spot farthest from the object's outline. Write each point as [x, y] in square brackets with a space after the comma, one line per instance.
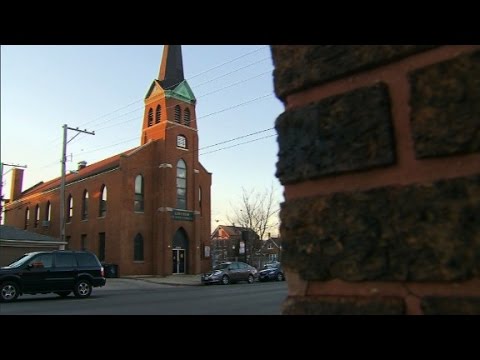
[136, 297]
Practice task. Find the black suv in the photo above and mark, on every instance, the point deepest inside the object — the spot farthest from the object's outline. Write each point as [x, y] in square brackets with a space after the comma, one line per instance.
[60, 272]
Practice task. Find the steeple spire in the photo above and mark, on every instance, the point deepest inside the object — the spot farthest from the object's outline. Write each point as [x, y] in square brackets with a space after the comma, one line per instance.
[171, 69]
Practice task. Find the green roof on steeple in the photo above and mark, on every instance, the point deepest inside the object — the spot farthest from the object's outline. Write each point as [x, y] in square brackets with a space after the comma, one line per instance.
[182, 92]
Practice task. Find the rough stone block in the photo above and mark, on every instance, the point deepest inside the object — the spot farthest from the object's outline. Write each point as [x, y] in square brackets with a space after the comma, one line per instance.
[302, 66]
[351, 131]
[445, 102]
[428, 232]
[451, 305]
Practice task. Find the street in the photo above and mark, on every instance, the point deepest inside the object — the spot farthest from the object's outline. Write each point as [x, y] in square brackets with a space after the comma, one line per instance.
[137, 297]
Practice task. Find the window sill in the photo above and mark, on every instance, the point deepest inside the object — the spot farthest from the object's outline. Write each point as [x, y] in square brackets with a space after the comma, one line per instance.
[138, 262]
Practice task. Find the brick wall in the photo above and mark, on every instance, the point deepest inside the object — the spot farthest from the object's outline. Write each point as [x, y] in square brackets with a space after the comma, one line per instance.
[379, 154]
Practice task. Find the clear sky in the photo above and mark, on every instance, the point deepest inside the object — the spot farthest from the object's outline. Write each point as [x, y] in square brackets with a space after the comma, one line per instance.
[101, 88]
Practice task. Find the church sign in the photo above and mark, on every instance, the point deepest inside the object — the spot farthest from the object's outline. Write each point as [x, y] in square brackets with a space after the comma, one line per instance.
[182, 215]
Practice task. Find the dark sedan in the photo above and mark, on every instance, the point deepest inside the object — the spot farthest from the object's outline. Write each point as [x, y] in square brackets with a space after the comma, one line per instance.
[271, 271]
[230, 272]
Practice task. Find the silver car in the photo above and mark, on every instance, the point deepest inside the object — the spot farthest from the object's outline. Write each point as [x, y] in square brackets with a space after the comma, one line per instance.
[230, 272]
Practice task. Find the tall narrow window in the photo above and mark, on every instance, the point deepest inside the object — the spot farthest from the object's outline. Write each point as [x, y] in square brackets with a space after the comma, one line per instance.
[70, 208]
[84, 244]
[103, 202]
[37, 215]
[178, 114]
[27, 217]
[181, 185]
[200, 199]
[186, 117]
[158, 114]
[138, 248]
[85, 205]
[139, 196]
[48, 211]
[150, 117]
[101, 246]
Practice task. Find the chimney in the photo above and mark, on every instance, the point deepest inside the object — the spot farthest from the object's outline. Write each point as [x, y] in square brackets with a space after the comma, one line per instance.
[17, 182]
[82, 165]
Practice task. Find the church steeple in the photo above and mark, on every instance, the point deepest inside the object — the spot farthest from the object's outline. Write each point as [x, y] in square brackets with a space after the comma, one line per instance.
[171, 69]
[170, 100]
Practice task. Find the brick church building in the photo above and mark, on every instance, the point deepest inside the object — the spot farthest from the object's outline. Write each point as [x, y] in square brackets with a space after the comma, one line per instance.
[146, 209]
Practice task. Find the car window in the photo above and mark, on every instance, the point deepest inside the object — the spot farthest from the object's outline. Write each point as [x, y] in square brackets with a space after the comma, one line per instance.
[65, 260]
[242, 265]
[42, 261]
[85, 259]
[20, 261]
[234, 266]
[221, 267]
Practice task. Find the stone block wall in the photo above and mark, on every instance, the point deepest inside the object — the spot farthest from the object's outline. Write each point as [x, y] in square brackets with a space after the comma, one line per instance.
[379, 155]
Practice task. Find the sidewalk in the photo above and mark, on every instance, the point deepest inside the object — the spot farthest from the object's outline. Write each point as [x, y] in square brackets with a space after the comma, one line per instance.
[177, 280]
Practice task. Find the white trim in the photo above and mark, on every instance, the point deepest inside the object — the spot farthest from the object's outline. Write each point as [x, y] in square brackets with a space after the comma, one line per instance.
[22, 243]
[165, 165]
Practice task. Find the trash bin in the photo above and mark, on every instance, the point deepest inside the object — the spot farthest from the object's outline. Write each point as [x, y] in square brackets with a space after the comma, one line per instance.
[111, 270]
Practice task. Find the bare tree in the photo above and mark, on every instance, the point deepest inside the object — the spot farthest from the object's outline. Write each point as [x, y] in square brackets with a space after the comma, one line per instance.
[257, 211]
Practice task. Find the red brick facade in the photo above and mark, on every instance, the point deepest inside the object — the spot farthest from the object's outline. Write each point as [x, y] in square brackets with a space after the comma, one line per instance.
[380, 160]
[167, 233]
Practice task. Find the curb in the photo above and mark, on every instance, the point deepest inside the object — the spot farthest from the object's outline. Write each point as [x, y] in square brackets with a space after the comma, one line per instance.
[161, 282]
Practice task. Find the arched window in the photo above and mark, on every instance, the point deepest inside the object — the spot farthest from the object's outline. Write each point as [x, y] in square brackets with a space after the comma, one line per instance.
[181, 185]
[138, 248]
[85, 205]
[70, 208]
[178, 114]
[103, 202]
[150, 117]
[186, 117]
[37, 215]
[158, 114]
[139, 196]
[27, 217]
[48, 211]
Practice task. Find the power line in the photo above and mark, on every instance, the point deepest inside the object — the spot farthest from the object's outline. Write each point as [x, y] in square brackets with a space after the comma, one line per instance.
[170, 107]
[56, 140]
[243, 143]
[191, 77]
[230, 61]
[229, 73]
[237, 138]
[237, 105]
[234, 84]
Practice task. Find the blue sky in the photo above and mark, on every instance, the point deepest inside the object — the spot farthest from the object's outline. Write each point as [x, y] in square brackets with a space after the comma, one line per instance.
[101, 88]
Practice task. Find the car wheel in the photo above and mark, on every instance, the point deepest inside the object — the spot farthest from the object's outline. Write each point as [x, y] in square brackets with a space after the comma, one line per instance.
[225, 280]
[82, 289]
[250, 279]
[8, 291]
[280, 277]
[63, 294]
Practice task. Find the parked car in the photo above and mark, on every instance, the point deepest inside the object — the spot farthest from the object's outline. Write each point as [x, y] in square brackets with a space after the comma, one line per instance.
[59, 272]
[272, 271]
[230, 272]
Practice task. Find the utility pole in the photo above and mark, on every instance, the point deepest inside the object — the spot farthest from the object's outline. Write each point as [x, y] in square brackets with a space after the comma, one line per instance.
[2, 164]
[62, 184]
